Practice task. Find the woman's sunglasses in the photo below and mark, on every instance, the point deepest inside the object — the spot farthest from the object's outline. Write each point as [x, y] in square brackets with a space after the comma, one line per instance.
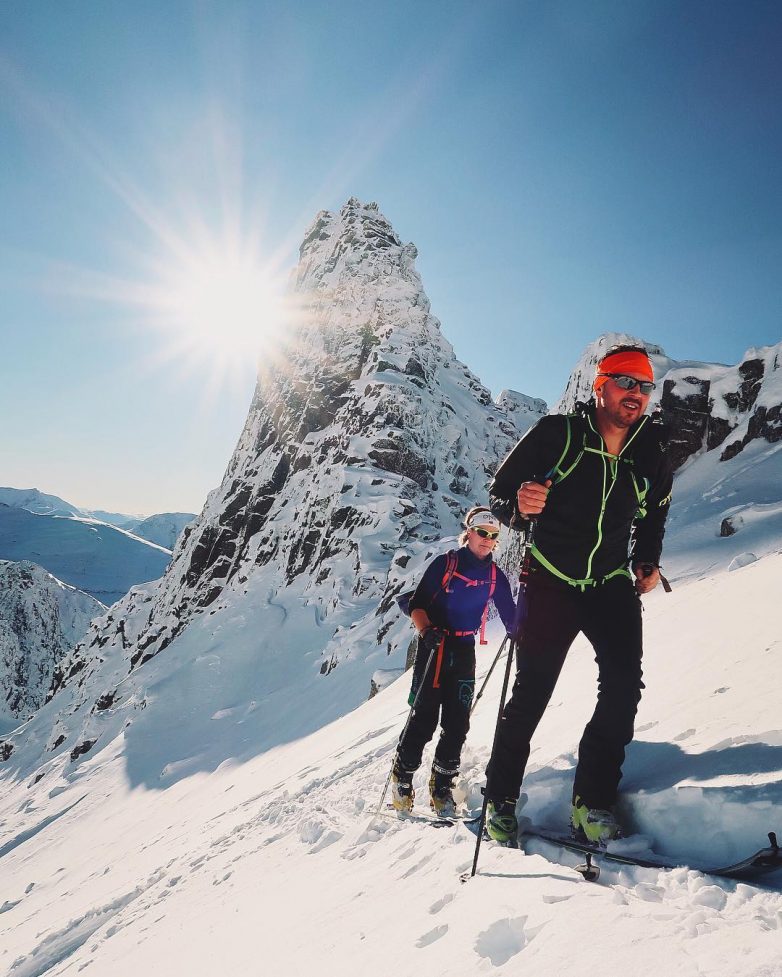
[486, 533]
[630, 383]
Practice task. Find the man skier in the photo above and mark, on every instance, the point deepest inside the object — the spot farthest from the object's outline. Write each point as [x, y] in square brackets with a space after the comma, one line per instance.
[598, 482]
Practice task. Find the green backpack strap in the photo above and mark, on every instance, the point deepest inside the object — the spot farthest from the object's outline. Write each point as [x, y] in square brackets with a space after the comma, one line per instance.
[562, 469]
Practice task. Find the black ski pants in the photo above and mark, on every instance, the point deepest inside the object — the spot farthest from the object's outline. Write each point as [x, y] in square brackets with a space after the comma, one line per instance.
[448, 701]
[610, 616]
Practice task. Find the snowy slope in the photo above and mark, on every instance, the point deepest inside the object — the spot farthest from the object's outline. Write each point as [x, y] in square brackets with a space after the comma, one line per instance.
[741, 495]
[41, 618]
[145, 858]
[92, 556]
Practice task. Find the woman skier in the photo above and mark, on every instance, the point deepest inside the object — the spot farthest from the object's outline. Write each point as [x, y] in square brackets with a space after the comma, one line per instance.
[448, 608]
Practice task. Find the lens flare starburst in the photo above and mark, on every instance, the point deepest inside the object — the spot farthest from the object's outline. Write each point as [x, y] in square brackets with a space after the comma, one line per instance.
[219, 305]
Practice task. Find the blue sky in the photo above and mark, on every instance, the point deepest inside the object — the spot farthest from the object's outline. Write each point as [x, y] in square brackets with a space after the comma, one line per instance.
[565, 168]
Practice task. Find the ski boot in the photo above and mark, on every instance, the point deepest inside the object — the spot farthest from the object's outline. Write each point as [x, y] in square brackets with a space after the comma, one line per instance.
[597, 825]
[402, 793]
[501, 823]
[441, 792]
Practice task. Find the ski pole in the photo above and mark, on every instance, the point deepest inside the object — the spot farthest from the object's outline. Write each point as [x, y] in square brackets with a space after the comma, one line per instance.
[488, 675]
[402, 736]
[521, 616]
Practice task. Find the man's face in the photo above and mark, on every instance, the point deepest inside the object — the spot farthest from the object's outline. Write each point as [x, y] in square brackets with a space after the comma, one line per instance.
[622, 407]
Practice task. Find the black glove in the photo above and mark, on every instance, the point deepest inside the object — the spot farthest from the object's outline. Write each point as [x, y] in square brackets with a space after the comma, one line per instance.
[430, 638]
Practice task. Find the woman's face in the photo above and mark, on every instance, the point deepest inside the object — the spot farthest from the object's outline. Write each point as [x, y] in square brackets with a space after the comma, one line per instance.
[481, 545]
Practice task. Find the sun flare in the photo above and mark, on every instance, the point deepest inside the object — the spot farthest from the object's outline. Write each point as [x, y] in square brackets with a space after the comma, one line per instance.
[225, 306]
[217, 309]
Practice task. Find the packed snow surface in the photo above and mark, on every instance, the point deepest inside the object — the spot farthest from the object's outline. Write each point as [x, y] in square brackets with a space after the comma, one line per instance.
[747, 489]
[149, 856]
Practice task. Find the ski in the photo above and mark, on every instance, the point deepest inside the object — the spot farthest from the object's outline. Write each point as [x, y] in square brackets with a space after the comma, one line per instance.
[418, 817]
[751, 869]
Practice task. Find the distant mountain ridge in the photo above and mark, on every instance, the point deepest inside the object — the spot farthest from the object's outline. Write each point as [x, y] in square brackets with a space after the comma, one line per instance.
[36, 501]
[164, 528]
[156, 528]
[100, 559]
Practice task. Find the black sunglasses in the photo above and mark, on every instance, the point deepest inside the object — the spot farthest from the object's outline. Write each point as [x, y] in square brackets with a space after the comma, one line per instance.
[485, 533]
[630, 383]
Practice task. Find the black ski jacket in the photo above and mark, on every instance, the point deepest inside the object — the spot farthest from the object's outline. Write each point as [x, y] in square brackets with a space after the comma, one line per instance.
[601, 510]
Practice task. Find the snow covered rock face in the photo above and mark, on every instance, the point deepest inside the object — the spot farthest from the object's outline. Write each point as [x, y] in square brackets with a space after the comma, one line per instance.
[705, 406]
[40, 619]
[365, 443]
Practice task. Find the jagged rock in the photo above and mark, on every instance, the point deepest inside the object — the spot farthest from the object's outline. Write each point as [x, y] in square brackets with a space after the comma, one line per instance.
[82, 748]
[751, 372]
[402, 459]
[718, 428]
[684, 403]
[764, 423]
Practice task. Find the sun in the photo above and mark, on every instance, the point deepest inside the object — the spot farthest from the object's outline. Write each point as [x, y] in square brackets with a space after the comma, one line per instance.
[217, 309]
[223, 305]
[211, 306]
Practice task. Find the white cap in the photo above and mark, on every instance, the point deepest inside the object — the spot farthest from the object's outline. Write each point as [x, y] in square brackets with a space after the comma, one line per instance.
[482, 518]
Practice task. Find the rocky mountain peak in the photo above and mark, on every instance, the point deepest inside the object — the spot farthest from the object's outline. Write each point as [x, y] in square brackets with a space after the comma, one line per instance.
[357, 236]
